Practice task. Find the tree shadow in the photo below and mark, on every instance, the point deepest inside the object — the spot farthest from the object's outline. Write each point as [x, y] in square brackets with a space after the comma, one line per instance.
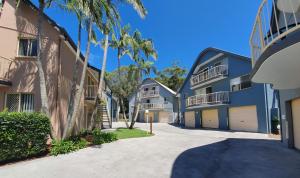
[238, 158]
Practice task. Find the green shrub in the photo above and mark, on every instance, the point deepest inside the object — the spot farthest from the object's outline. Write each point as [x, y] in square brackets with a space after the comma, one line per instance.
[66, 146]
[23, 135]
[103, 137]
[62, 147]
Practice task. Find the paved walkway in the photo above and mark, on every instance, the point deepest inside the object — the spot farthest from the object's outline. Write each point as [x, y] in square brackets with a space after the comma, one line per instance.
[172, 152]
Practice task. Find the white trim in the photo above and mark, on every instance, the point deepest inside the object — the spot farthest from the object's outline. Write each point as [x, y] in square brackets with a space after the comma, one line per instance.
[210, 60]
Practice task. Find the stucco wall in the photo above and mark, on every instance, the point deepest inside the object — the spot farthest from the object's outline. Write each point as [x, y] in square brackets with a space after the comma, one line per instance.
[58, 59]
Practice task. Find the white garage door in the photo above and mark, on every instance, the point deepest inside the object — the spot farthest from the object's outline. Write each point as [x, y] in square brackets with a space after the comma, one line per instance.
[189, 119]
[243, 118]
[165, 117]
[296, 122]
[210, 119]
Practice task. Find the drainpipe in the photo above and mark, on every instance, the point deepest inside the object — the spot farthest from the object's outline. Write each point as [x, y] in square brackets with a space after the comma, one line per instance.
[267, 108]
[58, 77]
[280, 118]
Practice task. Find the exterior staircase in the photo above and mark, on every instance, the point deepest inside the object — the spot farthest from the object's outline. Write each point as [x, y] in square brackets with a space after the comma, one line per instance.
[105, 116]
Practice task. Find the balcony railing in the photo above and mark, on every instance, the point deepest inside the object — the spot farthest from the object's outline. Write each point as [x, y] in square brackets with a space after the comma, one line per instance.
[272, 23]
[5, 65]
[91, 92]
[208, 99]
[150, 94]
[152, 106]
[212, 73]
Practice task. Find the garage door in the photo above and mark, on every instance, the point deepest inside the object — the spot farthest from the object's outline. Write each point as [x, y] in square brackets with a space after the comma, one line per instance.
[210, 119]
[243, 118]
[189, 119]
[296, 122]
[150, 115]
[165, 117]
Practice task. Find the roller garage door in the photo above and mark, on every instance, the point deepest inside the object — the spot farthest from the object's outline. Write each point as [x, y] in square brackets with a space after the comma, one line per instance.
[296, 122]
[243, 118]
[210, 119]
[165, 117]
[150, 116]
[189, 119]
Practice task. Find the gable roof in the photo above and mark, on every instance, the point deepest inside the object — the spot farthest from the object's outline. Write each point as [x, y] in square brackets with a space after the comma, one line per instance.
[203, 53]
[162, 85]
[61, 30]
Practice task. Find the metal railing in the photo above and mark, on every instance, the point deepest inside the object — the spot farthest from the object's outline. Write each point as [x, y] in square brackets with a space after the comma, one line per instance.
[150, 94]
[208, 99]
[214, 72]
[152, 106]
[5, 65]
[275, 19]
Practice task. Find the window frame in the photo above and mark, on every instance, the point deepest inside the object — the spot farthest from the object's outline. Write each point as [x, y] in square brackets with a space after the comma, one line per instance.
[18, 47]
[241, 82]
[20, 100]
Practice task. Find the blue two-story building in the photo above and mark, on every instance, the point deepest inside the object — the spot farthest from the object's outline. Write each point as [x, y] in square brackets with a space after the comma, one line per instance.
[219, 94]
[159, 100]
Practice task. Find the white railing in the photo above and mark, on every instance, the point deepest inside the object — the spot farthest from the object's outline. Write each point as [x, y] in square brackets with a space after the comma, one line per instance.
[214, 72]
[152, 106]
[91, 91]
[208, 99]
[275, 19]
[5, 65]
[150, 94]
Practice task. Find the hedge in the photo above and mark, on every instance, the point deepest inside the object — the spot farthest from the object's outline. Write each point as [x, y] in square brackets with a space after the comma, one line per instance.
[23, 135]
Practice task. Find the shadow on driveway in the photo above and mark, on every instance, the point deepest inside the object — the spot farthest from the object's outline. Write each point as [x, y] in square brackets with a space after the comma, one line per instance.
[238, 158]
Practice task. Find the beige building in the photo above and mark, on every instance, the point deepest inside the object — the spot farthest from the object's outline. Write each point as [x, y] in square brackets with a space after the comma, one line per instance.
[19, 81]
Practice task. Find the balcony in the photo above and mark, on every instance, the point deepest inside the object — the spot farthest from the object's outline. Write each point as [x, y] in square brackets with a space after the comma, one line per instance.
[209, 76]
[152, 106]
[150, 94]
[5, 65]
[275, 44]
[91, 92]
[208, 99]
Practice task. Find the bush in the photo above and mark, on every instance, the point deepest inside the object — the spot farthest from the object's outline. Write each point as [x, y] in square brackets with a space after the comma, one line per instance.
[23, 135]
[67, 146]
[103, 137]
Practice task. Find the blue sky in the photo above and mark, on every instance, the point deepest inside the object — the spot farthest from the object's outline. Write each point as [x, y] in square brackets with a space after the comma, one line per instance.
[180, 29]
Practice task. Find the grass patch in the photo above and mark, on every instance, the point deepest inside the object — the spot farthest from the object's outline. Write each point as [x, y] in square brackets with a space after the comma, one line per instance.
[123, 133]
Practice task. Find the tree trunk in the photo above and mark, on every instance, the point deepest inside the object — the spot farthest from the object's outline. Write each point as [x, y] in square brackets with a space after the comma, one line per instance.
[74, 82]
[82, 83]
[103, 67]
[136, 103]
[124, 114]
[43, 89]
[99, 92]
[118, 110]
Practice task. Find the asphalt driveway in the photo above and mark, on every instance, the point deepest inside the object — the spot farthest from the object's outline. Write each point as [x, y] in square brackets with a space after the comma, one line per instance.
[172, 152]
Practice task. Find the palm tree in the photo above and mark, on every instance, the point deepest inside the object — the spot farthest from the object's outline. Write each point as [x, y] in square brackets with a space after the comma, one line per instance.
[43, 88]
[141, 48]
[106, 29]
[89, 8]
[79, 7]
[121, 44]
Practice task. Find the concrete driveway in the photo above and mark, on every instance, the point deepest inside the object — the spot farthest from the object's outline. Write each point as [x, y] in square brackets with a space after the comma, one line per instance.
[172, 152]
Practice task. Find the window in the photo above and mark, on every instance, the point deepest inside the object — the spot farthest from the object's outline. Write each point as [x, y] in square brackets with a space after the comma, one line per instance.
[27, 47]
[153, 88]
[165, 100]
[145, 89]
[20, 102]
[240, 83]
[148, 101]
